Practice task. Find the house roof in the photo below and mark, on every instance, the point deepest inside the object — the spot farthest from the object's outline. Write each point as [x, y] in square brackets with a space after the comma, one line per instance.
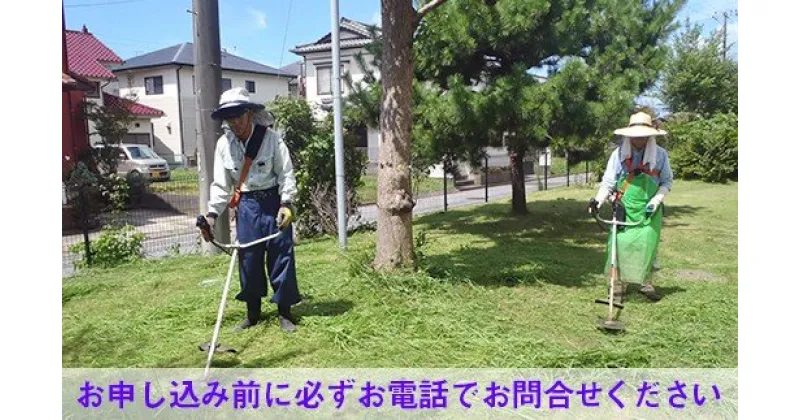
[294, 69]
[183, 54]
[70, 81]
[87, 56]
[132, 107]
[360, 29]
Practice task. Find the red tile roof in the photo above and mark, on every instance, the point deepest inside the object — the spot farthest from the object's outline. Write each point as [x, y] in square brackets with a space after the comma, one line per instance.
[86, 55]
[133, 107]
[72, 82]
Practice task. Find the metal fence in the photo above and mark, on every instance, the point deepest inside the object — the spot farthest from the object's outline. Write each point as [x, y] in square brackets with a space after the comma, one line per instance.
[165, 211]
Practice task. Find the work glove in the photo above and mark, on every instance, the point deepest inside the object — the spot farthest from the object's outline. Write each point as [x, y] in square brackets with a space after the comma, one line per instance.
[285, 216]
[594, 205]
[206, 225]
[656, 201]
[596, 202]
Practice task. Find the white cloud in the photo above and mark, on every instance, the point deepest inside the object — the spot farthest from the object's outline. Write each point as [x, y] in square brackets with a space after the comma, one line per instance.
[259, 16]
[376, 18]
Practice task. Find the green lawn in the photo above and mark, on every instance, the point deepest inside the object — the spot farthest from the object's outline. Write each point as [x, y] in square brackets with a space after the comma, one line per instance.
[368, 192]
[182, 181]
[498, 291]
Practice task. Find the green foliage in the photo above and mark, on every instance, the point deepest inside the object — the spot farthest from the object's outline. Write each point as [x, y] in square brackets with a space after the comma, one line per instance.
[80, 177]
[111, 123]
[311, 143]
[295, 119]
[697, 78]
[705, 148]
[116, 190]
[114, 246]
[597, 56]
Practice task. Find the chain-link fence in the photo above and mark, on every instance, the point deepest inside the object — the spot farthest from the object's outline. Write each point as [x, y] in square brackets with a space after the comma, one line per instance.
[164, 210]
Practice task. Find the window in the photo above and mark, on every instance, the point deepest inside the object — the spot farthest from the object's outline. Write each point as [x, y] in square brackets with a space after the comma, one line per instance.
[154, 85]
[325, 80]
[95, 92]
[140, 152]
[251, 86]
[226, 84]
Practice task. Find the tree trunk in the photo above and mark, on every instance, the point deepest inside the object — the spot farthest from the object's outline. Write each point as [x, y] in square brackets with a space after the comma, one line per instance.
[395, 202]
[516, 155]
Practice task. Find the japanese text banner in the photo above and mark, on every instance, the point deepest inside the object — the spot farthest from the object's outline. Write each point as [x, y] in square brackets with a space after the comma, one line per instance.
[400, 393]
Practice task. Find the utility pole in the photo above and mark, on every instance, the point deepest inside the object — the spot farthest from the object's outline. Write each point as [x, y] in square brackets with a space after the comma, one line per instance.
[207, 69]
[725, 15]
[337, 126]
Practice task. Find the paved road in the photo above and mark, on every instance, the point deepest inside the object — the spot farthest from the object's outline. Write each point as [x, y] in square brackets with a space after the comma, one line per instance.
[169, 233]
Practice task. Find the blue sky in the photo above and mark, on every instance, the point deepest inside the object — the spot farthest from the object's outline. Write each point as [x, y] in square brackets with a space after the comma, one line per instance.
[256, 29]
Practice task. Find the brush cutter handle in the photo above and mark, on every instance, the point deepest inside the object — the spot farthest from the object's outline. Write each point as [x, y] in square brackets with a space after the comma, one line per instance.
[257, 241]
[613, 222]
[205, 228]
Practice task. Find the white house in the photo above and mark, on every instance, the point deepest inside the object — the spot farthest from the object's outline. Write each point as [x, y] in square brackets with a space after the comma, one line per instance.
[164, 79]
[316, 76]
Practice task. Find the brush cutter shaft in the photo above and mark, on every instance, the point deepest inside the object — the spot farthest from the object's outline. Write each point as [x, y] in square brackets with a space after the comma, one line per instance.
[614, 273]
[235, 247]
[214, 337]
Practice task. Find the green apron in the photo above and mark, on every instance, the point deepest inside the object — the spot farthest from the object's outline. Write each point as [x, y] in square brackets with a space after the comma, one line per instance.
[636, 245]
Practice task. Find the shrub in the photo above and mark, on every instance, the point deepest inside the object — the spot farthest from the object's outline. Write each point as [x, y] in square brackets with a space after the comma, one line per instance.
[114, 246]
[705, 148]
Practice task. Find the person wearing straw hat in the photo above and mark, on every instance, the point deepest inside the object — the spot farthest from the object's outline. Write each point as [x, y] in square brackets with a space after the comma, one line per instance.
[638, 177]
[254, 176]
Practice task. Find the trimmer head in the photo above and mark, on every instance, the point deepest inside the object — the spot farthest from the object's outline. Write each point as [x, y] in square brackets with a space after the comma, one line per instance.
[610, 325]
[220, 348]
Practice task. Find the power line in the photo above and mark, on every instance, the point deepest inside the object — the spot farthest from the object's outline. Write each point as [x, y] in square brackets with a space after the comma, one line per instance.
[285, 32]
[283, 47]
[107, 3]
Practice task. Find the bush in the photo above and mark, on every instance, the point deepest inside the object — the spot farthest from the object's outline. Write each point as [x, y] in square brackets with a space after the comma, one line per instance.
[80, 178]
[316, 182]
[705, 148]
[114, 246]
[116, 190]
[311, 145]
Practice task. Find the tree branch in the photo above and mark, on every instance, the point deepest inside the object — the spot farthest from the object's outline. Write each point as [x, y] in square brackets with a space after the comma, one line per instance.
[428, 7]
[424, 10]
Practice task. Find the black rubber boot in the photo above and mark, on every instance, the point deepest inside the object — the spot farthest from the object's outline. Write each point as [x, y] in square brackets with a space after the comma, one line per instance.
[287, 321]
[650, 292]
[253, 316]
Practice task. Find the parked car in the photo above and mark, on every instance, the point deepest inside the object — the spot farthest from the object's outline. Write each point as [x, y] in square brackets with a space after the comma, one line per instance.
[138, 161]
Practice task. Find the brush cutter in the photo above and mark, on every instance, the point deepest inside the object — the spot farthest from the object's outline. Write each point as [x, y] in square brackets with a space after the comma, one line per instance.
[233, 251]
[611, 322]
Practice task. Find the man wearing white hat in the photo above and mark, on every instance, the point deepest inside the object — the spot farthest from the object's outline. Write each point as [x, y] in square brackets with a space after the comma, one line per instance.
[638, 177]
[254, 175]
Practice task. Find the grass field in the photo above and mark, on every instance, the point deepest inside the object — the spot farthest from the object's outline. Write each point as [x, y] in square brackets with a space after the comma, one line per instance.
[494, 290]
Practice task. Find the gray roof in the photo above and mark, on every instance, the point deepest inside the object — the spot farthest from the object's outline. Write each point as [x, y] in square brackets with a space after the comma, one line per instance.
[183, 54]
[293, 69]
[324, 44]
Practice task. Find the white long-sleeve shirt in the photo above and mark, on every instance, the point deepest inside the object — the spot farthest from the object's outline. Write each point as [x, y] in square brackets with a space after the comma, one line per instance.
[272, 166]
